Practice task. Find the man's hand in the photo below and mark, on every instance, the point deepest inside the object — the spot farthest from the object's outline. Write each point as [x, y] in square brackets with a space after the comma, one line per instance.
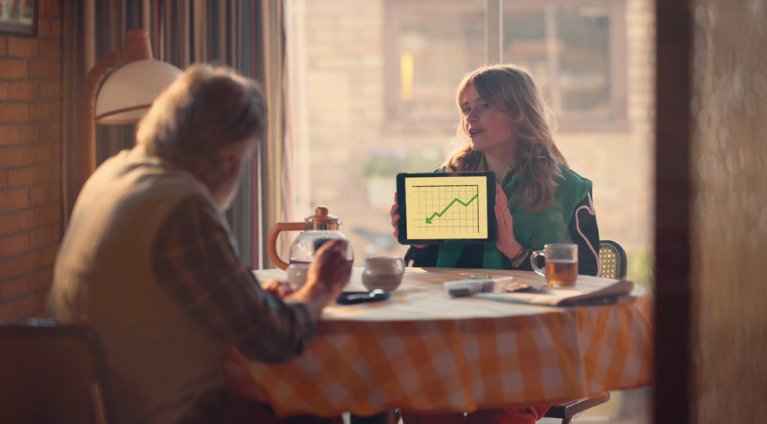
[278, 288]
[328, 274]
[330, 270]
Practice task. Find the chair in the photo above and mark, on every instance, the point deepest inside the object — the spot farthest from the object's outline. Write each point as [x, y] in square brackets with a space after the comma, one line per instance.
[568, 411]
[612, 259]
[612, 264]
[52, 373]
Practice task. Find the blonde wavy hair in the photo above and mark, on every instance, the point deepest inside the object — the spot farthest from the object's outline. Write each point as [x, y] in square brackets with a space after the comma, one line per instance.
[537, 160]
[204, 110]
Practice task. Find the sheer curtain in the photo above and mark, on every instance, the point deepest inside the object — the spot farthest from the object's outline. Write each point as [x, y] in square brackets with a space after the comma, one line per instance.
[246, 35]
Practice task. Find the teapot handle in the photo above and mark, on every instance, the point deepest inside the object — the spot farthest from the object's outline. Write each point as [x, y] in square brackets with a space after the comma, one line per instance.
[271, 243]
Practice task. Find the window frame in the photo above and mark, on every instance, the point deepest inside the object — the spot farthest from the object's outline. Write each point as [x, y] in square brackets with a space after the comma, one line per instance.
[396, 112]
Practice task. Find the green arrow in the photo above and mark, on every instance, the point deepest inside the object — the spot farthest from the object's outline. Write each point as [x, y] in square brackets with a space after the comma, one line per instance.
[439, 214]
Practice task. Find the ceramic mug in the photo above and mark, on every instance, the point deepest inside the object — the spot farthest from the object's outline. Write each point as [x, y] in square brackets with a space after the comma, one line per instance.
[383, 272]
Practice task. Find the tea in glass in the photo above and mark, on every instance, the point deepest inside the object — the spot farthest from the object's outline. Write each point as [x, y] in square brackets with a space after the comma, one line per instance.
[560, 272]
[561, 268]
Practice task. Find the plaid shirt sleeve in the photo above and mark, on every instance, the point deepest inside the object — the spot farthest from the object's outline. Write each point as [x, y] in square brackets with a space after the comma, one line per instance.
[195, 260]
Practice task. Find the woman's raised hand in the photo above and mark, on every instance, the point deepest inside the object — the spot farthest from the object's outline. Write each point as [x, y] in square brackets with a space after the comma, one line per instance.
[507, 243]
[394, 213]
[395, 217]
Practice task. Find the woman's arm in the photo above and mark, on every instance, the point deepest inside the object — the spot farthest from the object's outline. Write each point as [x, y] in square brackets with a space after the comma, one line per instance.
[507, 244]
[585, 233]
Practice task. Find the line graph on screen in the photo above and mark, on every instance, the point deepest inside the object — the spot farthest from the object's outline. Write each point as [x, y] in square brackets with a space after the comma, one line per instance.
[446, 210]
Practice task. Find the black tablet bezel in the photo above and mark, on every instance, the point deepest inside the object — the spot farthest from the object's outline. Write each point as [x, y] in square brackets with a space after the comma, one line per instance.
[491, 221]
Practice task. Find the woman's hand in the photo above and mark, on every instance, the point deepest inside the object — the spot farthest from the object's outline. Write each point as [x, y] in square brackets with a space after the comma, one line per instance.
[278, 289]
[506, 243]
[394, 213]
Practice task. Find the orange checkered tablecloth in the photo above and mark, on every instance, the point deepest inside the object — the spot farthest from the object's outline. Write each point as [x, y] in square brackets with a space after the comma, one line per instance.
[425, 351]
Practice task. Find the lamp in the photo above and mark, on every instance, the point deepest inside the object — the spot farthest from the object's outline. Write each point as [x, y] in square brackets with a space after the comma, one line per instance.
[133, 81]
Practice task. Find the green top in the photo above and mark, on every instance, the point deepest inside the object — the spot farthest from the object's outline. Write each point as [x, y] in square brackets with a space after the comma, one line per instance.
[531, 229]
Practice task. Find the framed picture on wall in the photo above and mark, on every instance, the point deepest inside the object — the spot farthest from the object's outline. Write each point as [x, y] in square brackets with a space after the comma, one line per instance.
[18, 17]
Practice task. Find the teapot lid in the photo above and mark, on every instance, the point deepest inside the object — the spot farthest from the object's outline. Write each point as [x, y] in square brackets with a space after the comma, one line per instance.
[322, 220]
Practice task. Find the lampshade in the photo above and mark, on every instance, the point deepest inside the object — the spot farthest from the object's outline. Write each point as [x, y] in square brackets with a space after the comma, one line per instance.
[128, 92]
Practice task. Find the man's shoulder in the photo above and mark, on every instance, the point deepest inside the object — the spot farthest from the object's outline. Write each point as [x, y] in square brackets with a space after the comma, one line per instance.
[195, 205]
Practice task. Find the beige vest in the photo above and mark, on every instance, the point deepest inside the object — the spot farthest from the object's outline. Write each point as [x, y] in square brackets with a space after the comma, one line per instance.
[159, 360]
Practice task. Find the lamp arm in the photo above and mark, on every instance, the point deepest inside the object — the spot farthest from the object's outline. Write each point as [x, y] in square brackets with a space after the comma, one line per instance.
[137, 47]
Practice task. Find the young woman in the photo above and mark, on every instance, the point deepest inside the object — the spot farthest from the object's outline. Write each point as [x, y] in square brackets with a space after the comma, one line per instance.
[539, 200]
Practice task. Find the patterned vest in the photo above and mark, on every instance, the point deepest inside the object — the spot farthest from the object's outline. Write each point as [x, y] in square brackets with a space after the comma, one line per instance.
[159, 360]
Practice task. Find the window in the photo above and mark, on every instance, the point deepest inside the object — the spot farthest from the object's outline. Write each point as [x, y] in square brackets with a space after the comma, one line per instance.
[429, 46]
[574, 49]
[576, 52]
[373, 84]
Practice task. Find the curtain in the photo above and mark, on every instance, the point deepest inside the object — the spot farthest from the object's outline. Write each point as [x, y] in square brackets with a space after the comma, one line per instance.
[245, 35]
[72, 75]
[274, 167]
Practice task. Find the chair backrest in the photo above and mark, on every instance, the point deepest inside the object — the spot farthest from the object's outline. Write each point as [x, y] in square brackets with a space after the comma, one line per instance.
[612, 260]
[52, 373]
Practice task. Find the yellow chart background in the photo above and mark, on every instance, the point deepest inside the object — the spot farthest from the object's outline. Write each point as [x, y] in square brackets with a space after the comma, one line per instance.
[434, 198]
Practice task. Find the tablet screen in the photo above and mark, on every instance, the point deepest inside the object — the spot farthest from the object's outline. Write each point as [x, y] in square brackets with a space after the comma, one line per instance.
[450, 206]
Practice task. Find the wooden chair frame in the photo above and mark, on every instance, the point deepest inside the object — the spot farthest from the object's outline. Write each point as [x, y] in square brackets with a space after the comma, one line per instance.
[58, 373]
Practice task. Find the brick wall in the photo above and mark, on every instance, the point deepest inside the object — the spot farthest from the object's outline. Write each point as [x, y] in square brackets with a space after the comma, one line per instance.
[30, 163]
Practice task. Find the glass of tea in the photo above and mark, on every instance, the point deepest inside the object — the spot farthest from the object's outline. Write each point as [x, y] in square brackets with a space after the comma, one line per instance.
[561, 269]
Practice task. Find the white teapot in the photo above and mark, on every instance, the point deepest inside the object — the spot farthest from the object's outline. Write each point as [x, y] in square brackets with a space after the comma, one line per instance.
[316, 229]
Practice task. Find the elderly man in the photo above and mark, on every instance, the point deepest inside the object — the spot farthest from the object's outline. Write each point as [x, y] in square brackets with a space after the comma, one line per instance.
[147, 260]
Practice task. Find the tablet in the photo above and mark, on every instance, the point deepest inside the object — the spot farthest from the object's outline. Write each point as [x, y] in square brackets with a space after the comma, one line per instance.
[449, 206]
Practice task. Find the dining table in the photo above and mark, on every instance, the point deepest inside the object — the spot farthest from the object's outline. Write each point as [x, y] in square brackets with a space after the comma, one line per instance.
[427, 351]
